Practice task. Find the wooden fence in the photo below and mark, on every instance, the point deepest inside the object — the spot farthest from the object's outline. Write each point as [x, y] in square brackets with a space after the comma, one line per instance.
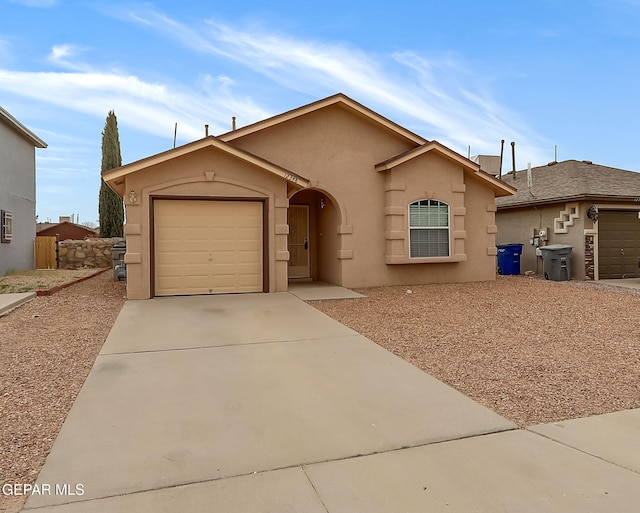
[46, 252]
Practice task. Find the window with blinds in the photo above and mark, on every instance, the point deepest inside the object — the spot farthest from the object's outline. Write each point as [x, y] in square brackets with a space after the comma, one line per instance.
[428, 229]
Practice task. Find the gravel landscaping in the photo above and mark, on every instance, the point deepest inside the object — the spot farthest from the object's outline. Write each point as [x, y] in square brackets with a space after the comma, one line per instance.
[47, 348]
[534, 351]
[29, 281]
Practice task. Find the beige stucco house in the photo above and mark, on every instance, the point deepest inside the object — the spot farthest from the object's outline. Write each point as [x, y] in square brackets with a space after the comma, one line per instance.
[331, 191]
[593, 208]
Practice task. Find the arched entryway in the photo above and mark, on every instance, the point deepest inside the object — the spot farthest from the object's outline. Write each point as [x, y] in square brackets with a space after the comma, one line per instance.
[313, 242]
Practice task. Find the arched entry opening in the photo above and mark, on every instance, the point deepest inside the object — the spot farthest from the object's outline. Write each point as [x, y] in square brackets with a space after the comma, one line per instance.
[313, 242]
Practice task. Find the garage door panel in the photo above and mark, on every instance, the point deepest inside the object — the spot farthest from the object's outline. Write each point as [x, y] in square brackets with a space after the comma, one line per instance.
[208, 247]
[618, 244]
[248, 257]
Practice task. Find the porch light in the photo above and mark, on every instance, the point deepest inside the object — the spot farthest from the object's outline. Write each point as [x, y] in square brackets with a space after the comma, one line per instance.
[133, 197]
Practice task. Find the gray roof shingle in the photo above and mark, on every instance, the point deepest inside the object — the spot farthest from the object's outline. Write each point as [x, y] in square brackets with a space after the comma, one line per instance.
[571, 180]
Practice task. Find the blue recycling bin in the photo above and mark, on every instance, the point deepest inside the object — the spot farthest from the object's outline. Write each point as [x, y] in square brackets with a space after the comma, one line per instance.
[509, 258]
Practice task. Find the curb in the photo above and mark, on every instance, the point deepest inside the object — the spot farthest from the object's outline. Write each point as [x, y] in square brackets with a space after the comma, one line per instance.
[58, 288]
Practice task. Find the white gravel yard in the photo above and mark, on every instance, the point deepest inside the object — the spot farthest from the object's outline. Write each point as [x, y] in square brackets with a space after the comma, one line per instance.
[47, 348]
[534, 351]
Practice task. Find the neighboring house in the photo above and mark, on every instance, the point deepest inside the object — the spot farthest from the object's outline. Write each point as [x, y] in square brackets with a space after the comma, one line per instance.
[593, 208]
[65, 230]
[17, 194]
[331, 191]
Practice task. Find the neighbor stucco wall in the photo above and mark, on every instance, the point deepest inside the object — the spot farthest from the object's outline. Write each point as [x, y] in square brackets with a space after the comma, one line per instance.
[517, 226]
[17, 195]
[206, 173]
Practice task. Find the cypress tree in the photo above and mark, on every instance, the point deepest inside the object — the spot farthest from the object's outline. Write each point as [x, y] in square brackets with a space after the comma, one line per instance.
[110, 208]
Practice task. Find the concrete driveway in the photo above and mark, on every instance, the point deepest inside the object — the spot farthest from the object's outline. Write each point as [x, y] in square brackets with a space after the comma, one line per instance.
[251, 403]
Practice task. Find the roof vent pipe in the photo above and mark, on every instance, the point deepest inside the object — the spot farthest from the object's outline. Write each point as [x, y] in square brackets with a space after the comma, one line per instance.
[206, 130]
[529, 175]
[513, 158]
[501, 153]
[233, 122]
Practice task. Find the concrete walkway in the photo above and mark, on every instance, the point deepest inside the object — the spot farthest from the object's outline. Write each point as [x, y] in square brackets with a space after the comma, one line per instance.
[250, 403]
[9, 302]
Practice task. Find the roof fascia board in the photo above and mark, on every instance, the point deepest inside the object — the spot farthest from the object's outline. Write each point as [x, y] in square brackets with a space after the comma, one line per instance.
[113, 174]
[502, 188]
[425, 148]
[565, 199]
[21, 129]
[337, 99]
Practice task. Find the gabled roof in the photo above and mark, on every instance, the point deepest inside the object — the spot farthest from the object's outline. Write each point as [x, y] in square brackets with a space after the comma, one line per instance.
[115, 177]
[337, 99]
[13, 123]
[571, 180]
[501, 188]
[45, 227]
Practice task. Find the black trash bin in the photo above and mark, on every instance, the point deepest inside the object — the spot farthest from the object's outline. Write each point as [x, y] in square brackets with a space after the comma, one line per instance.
[556, 261]
[509, 258]
[117, 259]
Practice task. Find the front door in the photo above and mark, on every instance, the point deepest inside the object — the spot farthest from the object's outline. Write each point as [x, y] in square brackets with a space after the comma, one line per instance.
[298, 245]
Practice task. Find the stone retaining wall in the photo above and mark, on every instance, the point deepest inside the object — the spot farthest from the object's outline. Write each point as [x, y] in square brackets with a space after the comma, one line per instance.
[77, 254]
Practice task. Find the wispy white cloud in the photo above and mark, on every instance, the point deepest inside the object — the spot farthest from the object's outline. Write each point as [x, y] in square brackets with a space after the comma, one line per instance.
[66, 55]
[148, 107]
[36, 3]
[5, 54]
[439, 97]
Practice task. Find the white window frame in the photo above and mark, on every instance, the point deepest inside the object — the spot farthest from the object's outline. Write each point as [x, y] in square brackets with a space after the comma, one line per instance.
[6, 226]
[447, 228]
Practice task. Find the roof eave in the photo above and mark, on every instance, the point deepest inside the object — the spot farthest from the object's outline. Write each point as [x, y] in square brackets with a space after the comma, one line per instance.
[21, 129]
[500, 188]
[115, 177]
[336, 99]
[564, 199]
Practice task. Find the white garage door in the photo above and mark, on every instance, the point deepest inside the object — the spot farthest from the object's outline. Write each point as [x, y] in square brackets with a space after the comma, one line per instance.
[207, 247]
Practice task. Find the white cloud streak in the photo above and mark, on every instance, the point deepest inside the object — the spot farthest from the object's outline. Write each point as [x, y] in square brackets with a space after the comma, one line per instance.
[148, 107]
[36, 3]
[438, 97]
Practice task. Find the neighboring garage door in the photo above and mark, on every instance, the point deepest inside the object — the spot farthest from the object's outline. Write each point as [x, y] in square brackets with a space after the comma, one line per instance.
[618, 244]
[207, 247]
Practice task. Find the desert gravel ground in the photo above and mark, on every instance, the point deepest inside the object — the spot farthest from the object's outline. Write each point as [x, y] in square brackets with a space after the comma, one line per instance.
[41, 279]
[47, 348]
[534, 351]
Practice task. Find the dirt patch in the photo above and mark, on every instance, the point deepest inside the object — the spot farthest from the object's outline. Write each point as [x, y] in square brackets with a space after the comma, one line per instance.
[47, 348]
[29, 281]
[534, 351]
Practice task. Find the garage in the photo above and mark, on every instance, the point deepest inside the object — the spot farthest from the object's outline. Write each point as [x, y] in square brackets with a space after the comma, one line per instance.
[619, 244]
[208, 246]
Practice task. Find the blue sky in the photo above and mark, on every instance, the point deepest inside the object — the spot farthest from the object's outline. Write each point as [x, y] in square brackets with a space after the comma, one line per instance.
[466, 73]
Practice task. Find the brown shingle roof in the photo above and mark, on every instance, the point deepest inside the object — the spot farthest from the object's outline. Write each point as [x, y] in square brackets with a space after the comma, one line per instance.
[571, 180]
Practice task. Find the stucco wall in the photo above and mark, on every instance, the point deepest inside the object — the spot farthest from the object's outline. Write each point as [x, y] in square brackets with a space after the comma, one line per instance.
[207, 173]
[338, 152]
[517, 225]
[17, 195]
